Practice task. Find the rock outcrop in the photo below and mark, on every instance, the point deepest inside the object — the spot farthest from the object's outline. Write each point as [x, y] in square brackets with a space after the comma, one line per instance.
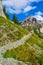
[1, 10]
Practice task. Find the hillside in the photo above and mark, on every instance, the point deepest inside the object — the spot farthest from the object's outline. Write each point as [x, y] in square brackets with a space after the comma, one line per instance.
[10, 32]
[31, 52]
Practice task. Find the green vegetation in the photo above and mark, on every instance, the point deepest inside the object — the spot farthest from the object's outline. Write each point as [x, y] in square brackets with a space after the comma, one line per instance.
[38, 33]
[29, 28]
[7, 16]
[36, 40]
[10, 32]
[31, 52]
[15, 20]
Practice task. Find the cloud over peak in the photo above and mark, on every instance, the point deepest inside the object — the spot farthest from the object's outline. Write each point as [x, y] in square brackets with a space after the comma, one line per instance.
[39, 13]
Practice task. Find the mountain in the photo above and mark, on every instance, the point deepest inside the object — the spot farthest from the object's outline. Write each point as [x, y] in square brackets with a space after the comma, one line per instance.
[31, 52]
[9, 31]
[30, 22]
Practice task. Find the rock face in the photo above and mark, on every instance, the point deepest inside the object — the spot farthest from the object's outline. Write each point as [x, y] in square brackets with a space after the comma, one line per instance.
[1, 10]
[41, 29]
[30, 21]
[10, 61]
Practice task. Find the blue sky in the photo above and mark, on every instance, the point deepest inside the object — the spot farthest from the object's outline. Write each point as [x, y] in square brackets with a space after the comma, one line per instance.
[24, 8]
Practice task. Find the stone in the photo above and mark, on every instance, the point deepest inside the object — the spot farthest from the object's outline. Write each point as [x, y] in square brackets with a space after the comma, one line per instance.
[1, 10]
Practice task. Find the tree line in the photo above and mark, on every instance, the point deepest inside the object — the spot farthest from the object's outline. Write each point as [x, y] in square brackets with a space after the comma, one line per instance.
[14, 19]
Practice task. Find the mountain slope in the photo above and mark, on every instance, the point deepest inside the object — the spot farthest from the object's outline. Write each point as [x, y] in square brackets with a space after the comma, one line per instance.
[31, 52]
[10, 32]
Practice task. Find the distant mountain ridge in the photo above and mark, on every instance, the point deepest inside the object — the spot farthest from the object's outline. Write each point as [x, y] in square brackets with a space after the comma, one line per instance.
[30, 22]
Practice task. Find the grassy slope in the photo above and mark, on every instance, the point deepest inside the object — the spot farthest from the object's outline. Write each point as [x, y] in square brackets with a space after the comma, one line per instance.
[10, 32]
[30, 52]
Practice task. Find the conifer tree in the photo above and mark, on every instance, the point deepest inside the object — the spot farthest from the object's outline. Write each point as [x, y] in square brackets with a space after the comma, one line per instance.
[7, 16]
[15, 19]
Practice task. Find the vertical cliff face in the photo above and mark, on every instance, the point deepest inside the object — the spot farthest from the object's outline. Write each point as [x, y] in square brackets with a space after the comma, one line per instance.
[1, 9]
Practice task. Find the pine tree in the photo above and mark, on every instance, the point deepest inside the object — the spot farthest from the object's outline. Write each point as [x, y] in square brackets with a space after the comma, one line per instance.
[15, 19]
[7, 16]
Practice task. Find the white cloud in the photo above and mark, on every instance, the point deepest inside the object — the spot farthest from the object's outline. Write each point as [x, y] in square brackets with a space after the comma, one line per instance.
[13, 11]
[39, 13]
[28, 8]
[34, 0]
[39, 17]
[16, 6]
[17, 11]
